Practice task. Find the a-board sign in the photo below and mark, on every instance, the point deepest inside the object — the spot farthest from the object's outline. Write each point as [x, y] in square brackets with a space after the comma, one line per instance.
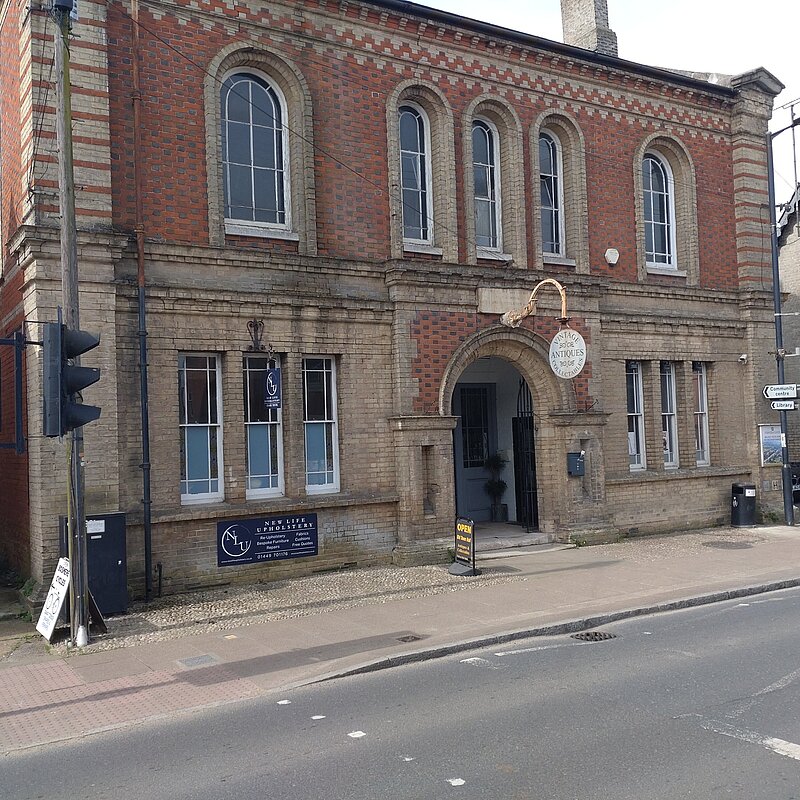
[250, 541]
[55, 599]
[464, 563]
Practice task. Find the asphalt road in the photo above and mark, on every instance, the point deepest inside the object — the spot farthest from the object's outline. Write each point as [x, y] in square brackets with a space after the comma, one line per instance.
[702, 703]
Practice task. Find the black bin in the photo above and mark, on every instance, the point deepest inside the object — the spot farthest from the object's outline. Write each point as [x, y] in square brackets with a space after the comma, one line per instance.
[743, 505]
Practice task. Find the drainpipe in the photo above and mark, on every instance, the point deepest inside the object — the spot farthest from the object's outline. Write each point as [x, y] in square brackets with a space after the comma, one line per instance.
[137, 172]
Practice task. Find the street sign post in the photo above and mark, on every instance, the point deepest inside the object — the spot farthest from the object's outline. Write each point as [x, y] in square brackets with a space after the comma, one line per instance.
[783, 405]
[780, 391]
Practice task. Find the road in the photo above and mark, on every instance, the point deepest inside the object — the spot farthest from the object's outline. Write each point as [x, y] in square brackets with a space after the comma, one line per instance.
[702, 703]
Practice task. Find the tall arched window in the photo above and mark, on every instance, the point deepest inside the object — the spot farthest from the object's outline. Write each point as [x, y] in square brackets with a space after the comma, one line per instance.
[552, 194]
[486, 182]
[659, 211]
[254, 156]
[415, 174]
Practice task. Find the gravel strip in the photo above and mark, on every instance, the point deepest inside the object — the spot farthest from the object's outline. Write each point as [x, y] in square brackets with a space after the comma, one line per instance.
[199, 612]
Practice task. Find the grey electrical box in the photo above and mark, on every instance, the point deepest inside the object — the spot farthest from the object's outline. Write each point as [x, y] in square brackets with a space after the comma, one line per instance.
[575, 464]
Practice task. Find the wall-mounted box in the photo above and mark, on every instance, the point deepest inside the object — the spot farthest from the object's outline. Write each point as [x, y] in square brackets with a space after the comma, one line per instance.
[575, 464]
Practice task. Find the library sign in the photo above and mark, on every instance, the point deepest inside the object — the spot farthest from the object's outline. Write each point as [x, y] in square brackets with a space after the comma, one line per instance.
[260, 539]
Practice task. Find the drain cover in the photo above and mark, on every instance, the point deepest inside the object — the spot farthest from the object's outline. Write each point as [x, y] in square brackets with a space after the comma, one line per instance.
[593, 636]
[193, 662]
[412, 637]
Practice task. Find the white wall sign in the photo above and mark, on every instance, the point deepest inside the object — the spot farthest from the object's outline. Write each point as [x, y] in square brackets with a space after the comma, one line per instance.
[55, 599]
[567, 353]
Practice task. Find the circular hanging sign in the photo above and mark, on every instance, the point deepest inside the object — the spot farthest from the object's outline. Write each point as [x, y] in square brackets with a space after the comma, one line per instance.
[567, 353]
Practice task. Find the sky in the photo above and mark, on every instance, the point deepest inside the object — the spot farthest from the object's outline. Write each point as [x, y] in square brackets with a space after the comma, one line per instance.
[724, 36]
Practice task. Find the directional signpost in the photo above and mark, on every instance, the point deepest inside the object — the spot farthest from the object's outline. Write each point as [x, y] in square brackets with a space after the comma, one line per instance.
[780, 391]
[783, 405]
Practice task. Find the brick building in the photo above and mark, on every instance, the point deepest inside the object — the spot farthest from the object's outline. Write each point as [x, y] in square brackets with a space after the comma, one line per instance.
[377, 182]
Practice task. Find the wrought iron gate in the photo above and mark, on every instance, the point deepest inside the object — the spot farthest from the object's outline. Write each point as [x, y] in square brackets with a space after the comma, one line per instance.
[525, 460]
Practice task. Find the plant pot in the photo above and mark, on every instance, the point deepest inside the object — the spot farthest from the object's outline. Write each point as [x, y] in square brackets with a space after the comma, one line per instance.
[499, 512]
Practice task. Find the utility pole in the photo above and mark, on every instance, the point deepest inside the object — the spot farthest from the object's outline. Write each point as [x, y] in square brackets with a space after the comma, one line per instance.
[76, 516]
[780, 352]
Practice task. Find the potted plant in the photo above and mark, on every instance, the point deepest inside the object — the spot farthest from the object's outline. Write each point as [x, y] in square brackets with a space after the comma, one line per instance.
[496, 487]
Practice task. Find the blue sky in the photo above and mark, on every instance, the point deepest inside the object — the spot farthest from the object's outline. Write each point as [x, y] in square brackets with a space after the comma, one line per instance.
[723, 36]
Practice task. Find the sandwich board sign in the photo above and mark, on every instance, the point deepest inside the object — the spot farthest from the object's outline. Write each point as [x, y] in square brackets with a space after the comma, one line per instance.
[55, 599]
[464, 549]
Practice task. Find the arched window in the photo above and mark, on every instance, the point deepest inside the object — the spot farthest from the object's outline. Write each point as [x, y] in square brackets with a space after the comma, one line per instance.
[552, 194]
[254, 153]
[486, 184]
[659, 211]
[415, 174]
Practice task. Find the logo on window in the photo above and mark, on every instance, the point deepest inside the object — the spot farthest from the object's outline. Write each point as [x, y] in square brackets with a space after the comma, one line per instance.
[272, 388]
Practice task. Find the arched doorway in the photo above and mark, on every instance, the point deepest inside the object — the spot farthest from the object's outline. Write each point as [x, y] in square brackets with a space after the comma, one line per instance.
[515, 406]
[494, 453]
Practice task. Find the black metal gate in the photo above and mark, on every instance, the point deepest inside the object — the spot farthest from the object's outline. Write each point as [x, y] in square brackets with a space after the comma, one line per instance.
[525, 460]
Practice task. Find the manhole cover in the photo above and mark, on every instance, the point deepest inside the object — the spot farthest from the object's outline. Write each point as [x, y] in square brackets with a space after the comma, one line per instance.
[593, 636]
[412, 637]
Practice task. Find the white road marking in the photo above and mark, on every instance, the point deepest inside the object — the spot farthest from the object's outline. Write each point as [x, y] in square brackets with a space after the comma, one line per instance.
[456, 781]
[408, 758]
[356, 734]
[283, 702]
[535, 649]
[779, 746]
[742, 605]
[318, 716]
[647, 633]
[781, 683]
[480, 662]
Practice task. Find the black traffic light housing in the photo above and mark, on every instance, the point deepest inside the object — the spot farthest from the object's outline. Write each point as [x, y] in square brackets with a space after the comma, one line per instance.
[62, 380]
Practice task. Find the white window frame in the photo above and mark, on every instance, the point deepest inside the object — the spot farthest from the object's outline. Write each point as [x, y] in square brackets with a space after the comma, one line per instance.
[332, 421]
[701, 440]
[243, 227]
[274, 427]
[426, 160]
[495, 195]
[669, 415]
[558, 177]
[651, 258]
[636, 446]
[192, 498]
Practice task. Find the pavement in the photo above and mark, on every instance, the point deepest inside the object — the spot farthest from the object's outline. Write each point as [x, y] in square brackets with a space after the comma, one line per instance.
[190, 652]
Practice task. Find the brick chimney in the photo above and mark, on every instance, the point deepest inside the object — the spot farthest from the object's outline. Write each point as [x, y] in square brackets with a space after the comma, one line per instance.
[585, 24]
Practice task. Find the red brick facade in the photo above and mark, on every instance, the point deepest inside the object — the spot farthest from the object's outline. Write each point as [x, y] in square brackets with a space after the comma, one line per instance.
[401, 322]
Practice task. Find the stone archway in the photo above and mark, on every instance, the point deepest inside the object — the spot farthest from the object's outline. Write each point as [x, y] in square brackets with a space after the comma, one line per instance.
[528, 354]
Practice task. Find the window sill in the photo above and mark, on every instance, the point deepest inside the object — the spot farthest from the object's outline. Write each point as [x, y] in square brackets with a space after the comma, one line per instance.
[256, 494]
[559, 261]
[201, 499]
[277, 505]
[493, 255]
[682, 473]
[313, 491]
[235, 228]
[420, 247]
[659, 269]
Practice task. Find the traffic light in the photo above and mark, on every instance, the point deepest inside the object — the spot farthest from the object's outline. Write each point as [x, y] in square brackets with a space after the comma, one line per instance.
[63, 379]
